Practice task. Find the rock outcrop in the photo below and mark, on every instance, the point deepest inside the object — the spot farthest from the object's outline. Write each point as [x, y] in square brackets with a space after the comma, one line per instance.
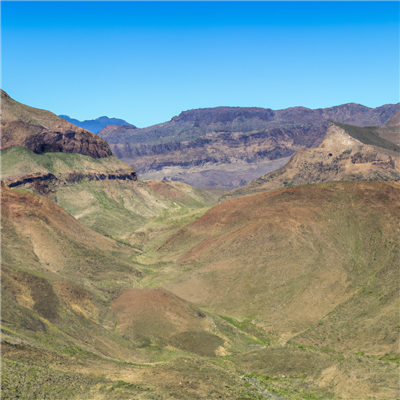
[340, 157]
[45, 172]
[42, 131]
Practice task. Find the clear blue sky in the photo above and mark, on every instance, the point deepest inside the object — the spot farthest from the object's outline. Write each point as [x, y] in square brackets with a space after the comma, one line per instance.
[147, 61]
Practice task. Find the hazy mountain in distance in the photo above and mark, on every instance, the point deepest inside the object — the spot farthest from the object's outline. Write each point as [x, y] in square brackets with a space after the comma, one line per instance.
[96, 125]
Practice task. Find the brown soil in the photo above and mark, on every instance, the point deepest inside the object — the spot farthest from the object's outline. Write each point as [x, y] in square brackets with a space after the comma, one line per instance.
[290, 257]
[160, 316]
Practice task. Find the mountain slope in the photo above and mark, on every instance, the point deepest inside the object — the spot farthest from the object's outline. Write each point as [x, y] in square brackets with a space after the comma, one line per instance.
[288, 259]
[73, 327]
[104, 194]
[206, 147]
[96, 125]
[340, 157]
[42, 131]
[391, 131]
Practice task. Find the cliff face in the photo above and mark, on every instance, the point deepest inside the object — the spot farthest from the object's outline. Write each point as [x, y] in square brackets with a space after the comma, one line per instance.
[41, 131]
[217, 138]
[68, 141]
[222, 147]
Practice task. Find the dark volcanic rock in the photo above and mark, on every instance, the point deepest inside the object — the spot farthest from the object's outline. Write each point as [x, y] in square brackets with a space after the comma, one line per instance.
[69, 141]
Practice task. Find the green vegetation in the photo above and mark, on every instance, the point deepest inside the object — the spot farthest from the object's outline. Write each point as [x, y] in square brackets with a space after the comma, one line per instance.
[258, 337]
[19, 161]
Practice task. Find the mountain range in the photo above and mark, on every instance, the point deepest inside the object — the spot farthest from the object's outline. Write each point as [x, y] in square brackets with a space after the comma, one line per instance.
[285, 288]
[230, 146]
[96, 125]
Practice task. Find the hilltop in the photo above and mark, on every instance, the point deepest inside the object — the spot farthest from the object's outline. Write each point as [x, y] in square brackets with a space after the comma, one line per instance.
[348, 153]
[42, 131]
[230, 146]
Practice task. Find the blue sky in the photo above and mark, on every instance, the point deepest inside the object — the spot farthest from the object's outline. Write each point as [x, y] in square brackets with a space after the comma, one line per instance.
[147, 61]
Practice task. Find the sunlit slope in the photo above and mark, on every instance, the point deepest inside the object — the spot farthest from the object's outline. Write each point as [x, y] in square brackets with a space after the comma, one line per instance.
[57, 277]
[18, 162]
[123, 209]
[38, 235]
[386, 136]
[391, 131]
[292, 258]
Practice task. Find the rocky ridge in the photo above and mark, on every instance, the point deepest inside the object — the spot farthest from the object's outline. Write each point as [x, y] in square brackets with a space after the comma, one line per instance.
[340, 157]
[46, 172]
[42, 131]
[195, 143]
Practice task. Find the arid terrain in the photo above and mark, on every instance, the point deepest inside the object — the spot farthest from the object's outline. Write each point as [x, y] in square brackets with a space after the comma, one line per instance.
[119, 288]
[230, 146]
[348, 153]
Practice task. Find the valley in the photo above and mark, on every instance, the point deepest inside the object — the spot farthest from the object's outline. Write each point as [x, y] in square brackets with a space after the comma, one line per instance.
[114, 287]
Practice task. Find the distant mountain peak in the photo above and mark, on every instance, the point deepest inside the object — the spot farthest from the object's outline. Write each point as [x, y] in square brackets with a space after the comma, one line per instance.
[96, 125]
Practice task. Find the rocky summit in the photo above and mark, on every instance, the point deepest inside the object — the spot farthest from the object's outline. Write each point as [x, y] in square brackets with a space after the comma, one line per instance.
[354, 154]
[42, 131]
